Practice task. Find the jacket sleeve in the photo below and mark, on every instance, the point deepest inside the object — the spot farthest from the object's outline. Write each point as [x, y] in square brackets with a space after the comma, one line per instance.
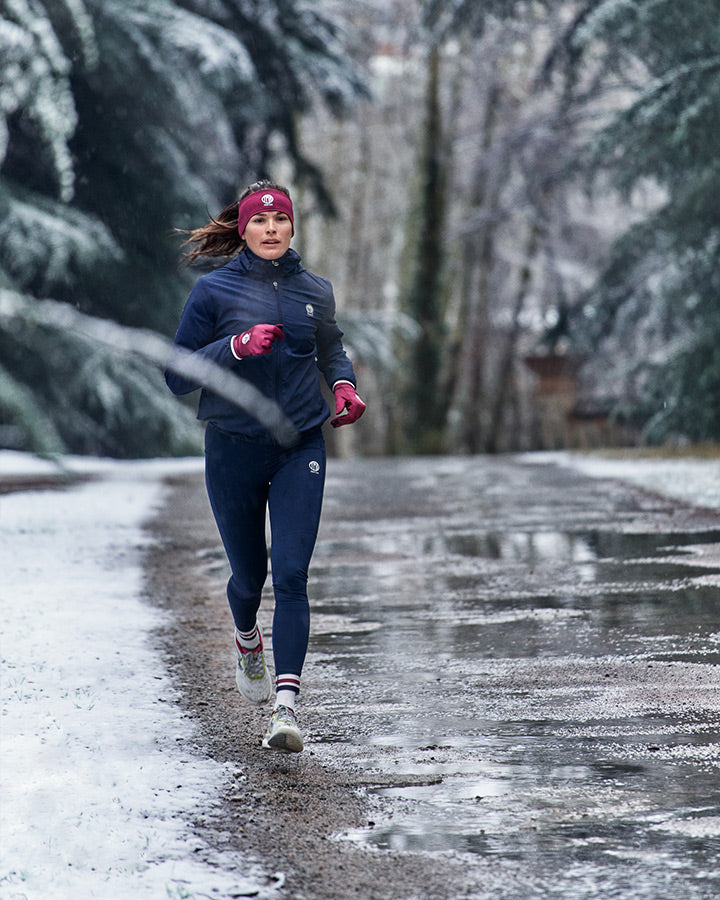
[331, 357]
[196, 338]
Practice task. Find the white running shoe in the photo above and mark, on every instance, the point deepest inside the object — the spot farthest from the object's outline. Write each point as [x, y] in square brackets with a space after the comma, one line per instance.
[252, 676]
[282, 732]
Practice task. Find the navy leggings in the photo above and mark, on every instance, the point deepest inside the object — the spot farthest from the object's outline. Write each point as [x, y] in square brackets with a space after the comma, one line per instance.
[244, 479]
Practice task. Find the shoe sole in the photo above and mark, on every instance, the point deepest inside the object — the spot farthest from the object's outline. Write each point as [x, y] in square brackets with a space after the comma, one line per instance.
[287, 739]
[256, 692]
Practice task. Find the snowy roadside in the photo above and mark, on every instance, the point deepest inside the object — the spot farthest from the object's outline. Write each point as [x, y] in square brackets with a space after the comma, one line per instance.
[694, 481]
[98, 787]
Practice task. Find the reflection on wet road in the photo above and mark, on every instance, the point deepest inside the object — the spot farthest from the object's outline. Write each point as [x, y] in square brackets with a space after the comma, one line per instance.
[525, 664]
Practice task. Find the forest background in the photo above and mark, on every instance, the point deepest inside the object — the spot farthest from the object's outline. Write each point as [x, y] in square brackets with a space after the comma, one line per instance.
[517, 203]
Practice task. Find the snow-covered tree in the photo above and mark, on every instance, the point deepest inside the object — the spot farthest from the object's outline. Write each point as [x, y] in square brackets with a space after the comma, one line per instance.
[47, 245]
[121, 120]
[654, 315]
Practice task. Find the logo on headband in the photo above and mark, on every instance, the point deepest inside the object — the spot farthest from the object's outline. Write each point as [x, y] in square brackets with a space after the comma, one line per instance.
[267, 199]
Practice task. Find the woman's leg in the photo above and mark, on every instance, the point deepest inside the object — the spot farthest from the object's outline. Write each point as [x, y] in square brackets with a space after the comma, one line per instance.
[237, 485]
[295, 503]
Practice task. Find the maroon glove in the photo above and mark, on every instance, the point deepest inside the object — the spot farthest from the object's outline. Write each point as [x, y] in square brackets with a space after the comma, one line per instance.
[256, 341]
[348, 406]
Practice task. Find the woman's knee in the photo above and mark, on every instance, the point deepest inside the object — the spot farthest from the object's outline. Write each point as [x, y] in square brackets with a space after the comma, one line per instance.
[290, 584]
[244, 597]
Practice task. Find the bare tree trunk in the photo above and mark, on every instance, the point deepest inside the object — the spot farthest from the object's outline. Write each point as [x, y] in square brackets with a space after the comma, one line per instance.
[426, 412]
[464, 433]
[355, 259]
[509, 354]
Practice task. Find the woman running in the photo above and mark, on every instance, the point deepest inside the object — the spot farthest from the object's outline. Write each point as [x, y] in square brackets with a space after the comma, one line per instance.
[266, 318]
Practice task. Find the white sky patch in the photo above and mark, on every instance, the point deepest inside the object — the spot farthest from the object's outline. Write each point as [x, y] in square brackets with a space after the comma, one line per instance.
[98, 788]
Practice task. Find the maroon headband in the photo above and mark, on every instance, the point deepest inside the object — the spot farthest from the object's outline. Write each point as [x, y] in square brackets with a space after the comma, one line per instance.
[263, 201]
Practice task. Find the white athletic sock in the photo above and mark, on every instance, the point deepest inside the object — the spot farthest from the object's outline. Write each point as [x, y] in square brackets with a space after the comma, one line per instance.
[287, 688]
[248, 640]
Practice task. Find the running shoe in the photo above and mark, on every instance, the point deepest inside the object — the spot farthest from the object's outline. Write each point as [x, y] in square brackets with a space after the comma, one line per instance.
[282, 732]
[252, 676]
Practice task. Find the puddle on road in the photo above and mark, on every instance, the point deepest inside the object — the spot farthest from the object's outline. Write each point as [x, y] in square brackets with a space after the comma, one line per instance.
[573, 547]
[543, 697]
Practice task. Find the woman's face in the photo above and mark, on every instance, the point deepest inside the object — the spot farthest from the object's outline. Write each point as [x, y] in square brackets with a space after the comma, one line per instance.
[268, 234]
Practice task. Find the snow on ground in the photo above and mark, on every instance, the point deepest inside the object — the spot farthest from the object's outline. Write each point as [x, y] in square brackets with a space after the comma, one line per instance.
[696, 481]
[97, 786]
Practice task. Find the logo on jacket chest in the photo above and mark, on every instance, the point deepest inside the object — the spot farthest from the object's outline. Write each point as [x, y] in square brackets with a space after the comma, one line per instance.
[309, 309]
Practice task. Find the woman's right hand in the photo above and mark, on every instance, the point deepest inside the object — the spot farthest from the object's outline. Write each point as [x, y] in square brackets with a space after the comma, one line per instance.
[256, 341]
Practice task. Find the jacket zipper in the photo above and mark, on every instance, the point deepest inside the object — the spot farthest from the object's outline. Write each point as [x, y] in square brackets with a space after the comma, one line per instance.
[277, 350]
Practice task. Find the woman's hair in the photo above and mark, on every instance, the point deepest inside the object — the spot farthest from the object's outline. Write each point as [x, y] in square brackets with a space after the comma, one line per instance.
[220, 237]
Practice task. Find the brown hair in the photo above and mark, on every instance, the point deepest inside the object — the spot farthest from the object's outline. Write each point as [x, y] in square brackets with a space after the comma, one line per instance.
[220, 236]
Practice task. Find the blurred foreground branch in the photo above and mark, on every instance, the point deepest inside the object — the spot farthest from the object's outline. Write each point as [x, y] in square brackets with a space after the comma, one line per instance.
[155, 348]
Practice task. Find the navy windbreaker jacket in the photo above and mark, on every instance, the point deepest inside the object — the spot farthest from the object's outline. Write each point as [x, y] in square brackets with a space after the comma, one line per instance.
[247, 291]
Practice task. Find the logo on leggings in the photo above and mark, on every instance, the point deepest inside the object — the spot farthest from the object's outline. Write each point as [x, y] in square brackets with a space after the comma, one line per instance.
[314, 467]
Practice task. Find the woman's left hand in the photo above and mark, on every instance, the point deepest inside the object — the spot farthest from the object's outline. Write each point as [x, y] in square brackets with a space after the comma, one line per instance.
[348, 406]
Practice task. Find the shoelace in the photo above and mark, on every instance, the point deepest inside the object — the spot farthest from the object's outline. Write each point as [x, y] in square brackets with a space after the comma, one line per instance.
[253, 663]
[285, 715]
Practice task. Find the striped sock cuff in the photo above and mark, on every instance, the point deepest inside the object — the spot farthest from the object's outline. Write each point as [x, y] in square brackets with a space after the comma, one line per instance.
[251, 640]
[288, 682]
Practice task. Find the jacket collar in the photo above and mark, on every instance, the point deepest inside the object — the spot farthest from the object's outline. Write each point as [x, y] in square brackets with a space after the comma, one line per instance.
[257, 267]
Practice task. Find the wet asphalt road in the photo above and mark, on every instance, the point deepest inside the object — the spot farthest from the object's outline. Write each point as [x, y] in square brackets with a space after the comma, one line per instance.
[525, 664]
